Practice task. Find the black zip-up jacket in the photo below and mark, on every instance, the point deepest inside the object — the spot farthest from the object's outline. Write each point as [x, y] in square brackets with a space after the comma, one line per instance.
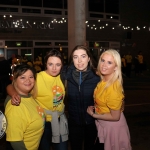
[80, 97]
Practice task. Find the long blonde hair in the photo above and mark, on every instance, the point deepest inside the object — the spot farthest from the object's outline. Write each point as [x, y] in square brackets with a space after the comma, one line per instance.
[117, 73]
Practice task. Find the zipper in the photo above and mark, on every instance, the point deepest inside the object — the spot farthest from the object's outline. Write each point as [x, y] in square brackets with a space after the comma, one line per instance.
[80, 80]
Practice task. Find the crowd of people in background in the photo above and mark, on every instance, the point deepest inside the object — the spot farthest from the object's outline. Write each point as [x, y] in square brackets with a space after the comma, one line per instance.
[134, 64]
[37, 63]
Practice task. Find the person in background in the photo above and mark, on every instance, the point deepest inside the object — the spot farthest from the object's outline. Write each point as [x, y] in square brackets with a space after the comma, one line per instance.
[13, 59]
[24, 60]
[5, 71]
[25, 123]
[40, 56]
[50, 96]
[136, 65]
[109, 104]
[141, 65]
[81, 80]
[29, 62]
[128, 58]
[123, 65]
[37, 65]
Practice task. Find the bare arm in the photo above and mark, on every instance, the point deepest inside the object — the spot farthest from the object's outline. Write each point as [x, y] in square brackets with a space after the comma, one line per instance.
[13, 93]
[114, 115]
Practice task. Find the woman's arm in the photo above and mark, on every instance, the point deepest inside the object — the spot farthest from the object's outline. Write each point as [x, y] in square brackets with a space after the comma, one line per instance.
[114, 115]
[13, 94]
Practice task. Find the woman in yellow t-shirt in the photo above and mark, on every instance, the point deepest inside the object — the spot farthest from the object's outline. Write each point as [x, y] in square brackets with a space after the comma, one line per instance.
[37, 64]
[50, 96]
[26, 121]
[108, 96]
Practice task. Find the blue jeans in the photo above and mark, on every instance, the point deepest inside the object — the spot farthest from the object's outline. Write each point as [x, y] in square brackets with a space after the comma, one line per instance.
[78, 134]
[61, 145]
[46, 140]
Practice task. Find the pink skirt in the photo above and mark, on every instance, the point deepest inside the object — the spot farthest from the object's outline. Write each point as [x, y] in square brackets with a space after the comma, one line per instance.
[114, 134]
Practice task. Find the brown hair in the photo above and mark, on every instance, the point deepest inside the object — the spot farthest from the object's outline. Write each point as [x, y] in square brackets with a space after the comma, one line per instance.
[92, 63]
[52, 53]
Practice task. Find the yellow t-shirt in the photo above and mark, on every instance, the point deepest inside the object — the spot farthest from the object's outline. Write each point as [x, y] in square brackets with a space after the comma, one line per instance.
[140, 59]
[111, 98]
[128, 58]
[123, 62]
[51, 92]
[25, 122]
[30, 64]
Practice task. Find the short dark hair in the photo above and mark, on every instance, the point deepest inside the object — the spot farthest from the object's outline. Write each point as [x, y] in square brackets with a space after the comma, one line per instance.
[21, 69]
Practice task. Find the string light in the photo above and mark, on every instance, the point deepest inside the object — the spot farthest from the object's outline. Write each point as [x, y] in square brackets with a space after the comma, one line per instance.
[22, 23]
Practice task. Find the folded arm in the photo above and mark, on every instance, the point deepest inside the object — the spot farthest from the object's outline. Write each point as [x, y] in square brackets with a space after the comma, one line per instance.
[114, 115]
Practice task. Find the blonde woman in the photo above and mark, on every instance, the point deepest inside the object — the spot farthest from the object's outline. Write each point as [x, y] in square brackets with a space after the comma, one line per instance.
[108, 110]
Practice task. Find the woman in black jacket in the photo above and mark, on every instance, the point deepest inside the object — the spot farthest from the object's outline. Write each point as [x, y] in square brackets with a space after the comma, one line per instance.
[81, 81]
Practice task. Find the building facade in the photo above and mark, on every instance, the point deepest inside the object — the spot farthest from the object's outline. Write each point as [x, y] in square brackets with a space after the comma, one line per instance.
[33, 27]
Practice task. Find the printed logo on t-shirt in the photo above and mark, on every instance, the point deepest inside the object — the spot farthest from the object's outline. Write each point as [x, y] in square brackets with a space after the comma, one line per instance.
[57, 96]
[41, 112]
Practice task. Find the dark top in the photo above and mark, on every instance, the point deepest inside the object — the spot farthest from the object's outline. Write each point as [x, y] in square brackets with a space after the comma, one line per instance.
[80, 89]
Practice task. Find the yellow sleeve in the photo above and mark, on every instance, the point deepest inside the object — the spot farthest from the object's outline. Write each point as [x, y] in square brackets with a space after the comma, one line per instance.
[16, 122]
[115, 98]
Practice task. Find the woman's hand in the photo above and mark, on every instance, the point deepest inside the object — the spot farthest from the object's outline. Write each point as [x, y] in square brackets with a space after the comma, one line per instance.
[90, 110]
[15, 99]
[13, 94]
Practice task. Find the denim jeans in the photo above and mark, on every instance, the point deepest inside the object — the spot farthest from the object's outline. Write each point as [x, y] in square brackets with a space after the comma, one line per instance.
[46, 140]
[79, 134]
[61, 145]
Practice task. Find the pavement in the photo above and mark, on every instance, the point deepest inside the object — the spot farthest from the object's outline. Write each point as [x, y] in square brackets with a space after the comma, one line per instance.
[137, 111]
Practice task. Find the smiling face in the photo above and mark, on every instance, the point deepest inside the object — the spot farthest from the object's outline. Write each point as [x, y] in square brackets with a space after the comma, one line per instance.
[80, 59]
[25, 82]
[107, 66]
[53, 66]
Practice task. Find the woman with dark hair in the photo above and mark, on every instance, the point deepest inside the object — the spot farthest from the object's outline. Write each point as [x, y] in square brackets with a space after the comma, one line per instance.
[25, 123]
[81, 81]
[50, 96]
